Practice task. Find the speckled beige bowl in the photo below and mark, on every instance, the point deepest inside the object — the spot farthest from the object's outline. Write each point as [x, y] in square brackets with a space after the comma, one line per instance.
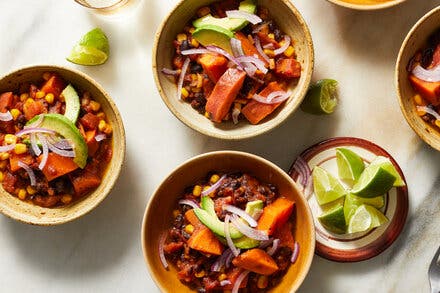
[28, 213]
[289, 20]
[159, 213]
[414, 41]
[367, 4]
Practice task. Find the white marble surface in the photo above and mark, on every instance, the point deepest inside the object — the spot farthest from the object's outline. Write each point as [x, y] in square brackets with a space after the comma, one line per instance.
[101, 252]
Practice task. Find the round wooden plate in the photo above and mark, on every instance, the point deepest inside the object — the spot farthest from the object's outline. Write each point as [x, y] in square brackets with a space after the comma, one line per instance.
[358, 246]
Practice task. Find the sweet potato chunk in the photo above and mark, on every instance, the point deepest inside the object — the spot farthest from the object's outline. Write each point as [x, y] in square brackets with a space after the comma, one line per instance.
[6, 100]
[192, 218]
[57, 166]
[33, 109]
[14, 159]
[275, 215]
[54, 85]
[429, 90]
[214, 65]
[202, 239]
[248, 47]
[288, 68]
[256, 260]
[85, 182]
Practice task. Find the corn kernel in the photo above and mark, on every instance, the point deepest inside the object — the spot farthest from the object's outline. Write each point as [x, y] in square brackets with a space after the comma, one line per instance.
[262, 282]
[108, 129]
[22, 194]
[15, 113]
[197, 190]
[271, 36]
[101, 115]
[10, 139]
[95, 106]
[47, 75]
[289, 51]
[205, 10]
[181, 37]
[4, 156]
[189, 229]
[214, 178]
[185, 93]
[194, 43]
[200, 274]
[50, 98]
[207, 115]
[30, 190]
[222, 277]
[40, 95]
[24, 97]
[270, 53]
[421, 112]
[437, 122]
[271, 63]
[419, 100]
[2, 176]
[29, 101]
[20, 148]
[191, 30]
[206, 187]
[102, 125]
[66, 199]
[176, 213]
[3, 164]
[199, 81]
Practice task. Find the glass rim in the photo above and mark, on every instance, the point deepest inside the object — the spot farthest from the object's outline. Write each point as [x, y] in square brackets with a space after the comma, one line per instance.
[110, 7]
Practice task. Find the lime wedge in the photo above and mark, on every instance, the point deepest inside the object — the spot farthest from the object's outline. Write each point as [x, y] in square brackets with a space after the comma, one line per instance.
[350, 165]
[377, 218]
[326, 187]
[321, 97]
[352, 202]
[92, 49]
[360, 221]
[387, 165]
[374, 181]
[334, 219]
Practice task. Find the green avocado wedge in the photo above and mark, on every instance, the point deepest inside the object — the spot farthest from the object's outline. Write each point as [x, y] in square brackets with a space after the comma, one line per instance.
[215, 225]
[214, 35]
[65, 128]
[72, 103]
[232, 24]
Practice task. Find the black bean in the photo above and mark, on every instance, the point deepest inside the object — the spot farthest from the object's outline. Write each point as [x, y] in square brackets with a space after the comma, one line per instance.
[196, 68]
[278, 35]
[427, 55]
[247, 30]
[185, 45]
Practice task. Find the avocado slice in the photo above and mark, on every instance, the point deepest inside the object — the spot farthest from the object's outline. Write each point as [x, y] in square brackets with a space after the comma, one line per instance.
[72, 103]
[214, 35]
[215, 225]
[64, 127]
[253, 208]
[232, 24]
[208, 205]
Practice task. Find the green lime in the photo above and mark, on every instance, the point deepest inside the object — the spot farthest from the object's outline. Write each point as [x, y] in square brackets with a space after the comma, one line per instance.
[92, 49]
[350, 165]
[321, 98]
[333, 219]
[387, 165]
[326, 187]
[352, 202]
[377, 218]
[374, 181]
[360, 221]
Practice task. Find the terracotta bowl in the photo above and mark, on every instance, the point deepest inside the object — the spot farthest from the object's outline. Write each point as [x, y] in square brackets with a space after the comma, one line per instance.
[367, 4]
[289, 20]
[414, 41]
[28, 213]
[159, 213]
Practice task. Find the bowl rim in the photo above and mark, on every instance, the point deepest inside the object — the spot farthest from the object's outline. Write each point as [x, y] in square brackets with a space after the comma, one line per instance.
[280, 171]
[118, 167]
[367, 7]
[259, 128]
[398, 81]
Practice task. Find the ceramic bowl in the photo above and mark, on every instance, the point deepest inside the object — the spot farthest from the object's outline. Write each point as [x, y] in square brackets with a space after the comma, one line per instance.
[367, 4]
[159, 213]
[29, 213]
[289, 20]
[414, 41]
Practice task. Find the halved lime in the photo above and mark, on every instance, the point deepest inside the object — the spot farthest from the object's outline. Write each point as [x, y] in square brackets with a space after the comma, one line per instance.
[334, 219]
[92, 49]
[352, 202]
[387, 165]
[350, 165]
[326, 187]
[360, 221]
[374, 181]
[321, 97]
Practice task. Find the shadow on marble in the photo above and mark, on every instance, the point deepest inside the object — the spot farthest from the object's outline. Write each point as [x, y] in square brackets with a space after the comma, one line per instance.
[94, 243]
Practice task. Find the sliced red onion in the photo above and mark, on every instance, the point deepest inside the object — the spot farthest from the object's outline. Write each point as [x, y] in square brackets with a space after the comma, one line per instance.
[260, 50]
[34, 130]
[235, 114]
[252, 18]
[271, 251]
[34, 144]
[274, 94]
[214, 186]
[100, 137]
[429, 111]
[189, 202]
[181, 78]
[283, 47]
[295, 252]
[239, 212]
[269, 46]
[7, 148]
[6, 116]
[195, 51]
[36, 123]
[225, 283]
[303, 169]
[257, 215]
[429, 75]
[163, 260]
[171, 72]
[231, 245]
[236, 47]
[220, 51]
[266, 243]
[45, 155]
[255, 61]
[239, 280]
[30, 172]
[63, 144]
[63, 153]
[221, 260]
[308, 191]
[275, 100]
[248, 231]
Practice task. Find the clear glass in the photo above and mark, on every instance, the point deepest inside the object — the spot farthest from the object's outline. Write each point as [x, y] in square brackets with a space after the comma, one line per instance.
[107, 6]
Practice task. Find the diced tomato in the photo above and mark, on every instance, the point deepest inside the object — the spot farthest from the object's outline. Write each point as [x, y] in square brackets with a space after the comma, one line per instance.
[90, 121]
[288, 68]
[46, 201]
[33, 109]
[9, 182]
[54, 85]
[429, 90]
[85, 182]
[6, 100]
